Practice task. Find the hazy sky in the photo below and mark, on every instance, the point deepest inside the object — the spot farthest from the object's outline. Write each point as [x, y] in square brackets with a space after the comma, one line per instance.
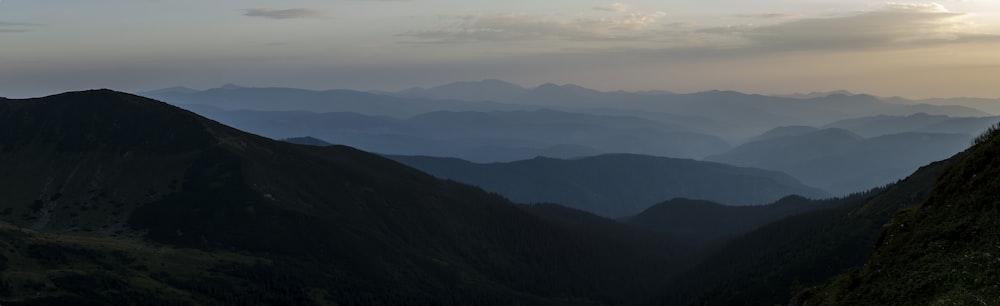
[913, 49]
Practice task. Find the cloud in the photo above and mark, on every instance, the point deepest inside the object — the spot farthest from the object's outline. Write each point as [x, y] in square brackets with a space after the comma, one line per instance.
[296, 13]
[768, 16]
[895, 24]
[617, 7]
[17, 27]
[521, 27]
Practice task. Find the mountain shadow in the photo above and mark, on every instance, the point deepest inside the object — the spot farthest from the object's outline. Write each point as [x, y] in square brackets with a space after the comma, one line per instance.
[616, 185]
[703, 223]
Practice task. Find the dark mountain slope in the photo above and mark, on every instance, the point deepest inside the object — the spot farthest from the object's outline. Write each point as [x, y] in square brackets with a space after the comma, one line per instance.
[327, 224]
[708, 222]
[940, 252]
[616, 185]
[767, 265]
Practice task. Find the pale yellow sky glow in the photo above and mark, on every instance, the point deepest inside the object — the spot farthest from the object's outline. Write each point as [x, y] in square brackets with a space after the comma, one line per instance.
[911, 49]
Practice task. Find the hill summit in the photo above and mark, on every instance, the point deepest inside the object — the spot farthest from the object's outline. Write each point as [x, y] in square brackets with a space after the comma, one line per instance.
[111, 198]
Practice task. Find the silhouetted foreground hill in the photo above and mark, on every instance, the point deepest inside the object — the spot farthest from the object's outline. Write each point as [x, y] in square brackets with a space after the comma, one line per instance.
[109, 198]
[616, 185]
[943, 251]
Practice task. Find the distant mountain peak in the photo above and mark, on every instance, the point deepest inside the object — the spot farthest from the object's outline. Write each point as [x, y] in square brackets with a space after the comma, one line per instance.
[484, 84]
[818, 94]
[565, 88]
[171, 90]
[497, 82]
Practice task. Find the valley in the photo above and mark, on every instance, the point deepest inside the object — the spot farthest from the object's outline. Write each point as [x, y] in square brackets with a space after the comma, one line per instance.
[90, 195]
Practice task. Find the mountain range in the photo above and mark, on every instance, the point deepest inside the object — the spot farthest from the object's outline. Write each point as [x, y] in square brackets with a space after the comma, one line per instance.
[881, 125]
[479, 136]
[747, 112]
[494, 121]
[726, 114]
[842, 161]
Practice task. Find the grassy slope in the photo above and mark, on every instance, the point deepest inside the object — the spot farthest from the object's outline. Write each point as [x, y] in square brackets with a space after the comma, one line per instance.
[942, 252]
[43, 268]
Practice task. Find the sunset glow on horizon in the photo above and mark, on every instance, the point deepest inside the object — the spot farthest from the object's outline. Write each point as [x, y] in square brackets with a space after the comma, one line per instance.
[910, 49]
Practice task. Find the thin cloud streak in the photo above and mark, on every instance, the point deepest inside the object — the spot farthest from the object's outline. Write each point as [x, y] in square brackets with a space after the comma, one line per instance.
[616, 7]
[17, 27]
[521, 27]
[296, 13]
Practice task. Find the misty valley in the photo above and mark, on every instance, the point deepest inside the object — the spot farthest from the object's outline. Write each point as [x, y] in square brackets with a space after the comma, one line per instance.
[490, 193]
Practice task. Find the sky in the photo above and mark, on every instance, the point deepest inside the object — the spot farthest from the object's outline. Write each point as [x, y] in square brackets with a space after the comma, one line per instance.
[910, 49]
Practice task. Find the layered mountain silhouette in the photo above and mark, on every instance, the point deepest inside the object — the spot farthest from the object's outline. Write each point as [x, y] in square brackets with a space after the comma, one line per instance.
[881, 125]
[729, 115]
[616, 185]
[234, 97]
[110, 198]
[749, 114]
[841, 161]
[480, 136]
